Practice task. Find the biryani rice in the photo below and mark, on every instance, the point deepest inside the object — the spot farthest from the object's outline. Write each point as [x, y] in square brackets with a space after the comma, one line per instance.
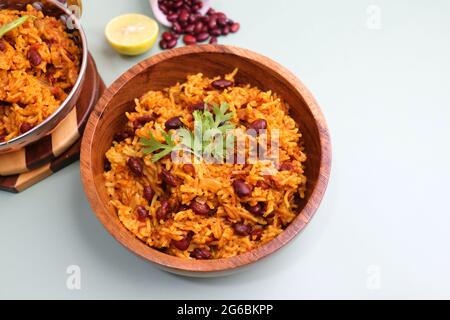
[30, 91]
[281, 193]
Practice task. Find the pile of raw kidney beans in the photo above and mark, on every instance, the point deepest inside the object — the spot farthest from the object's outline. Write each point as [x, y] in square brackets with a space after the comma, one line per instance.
[187, 20]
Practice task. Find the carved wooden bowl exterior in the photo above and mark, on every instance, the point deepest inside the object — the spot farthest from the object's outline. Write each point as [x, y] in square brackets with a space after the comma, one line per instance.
[166, 69]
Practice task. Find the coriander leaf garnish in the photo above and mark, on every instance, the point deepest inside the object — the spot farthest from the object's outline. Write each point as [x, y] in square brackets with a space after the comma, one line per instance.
[14, 24]
[210, 136]
[151, 145]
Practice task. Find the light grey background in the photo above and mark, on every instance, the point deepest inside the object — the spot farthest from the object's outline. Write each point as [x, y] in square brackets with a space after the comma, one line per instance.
[383, 230]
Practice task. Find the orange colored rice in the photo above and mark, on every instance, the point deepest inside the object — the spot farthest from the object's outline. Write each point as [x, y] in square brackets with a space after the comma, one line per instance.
[211, 183]
[29, 93]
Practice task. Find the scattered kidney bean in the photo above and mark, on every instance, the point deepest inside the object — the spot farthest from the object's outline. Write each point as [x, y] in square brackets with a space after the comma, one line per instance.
[163, 44]
[189, 169]
[190, 29]
[173, 123]
[213, 40]
[136, 166]
[201, 209]
[149, 193]
[287, 166]
[34, 57]
[25, 127]
[142, 213]
[202, 37]
[2, 45]
[201, 254]
[186, 19]
[167, 36]
[259, 124]
[225, 30]
[235, 27]
[242, 229]
[221, 84]
[171, 44]
[189, 39]
[106, 165]
[163, 211]
[169, 178]
[184, 243]
[241, 188]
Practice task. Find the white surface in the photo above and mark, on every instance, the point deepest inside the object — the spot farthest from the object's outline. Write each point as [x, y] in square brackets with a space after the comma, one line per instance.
[386, 96]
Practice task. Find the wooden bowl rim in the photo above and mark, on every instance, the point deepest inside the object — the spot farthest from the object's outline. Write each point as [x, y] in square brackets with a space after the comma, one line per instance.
[122, 235]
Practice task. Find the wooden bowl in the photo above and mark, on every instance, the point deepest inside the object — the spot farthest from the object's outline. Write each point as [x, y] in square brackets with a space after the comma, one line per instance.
[166, 69]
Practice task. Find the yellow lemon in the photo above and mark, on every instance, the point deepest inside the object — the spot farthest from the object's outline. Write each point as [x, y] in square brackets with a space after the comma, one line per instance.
[132, 34]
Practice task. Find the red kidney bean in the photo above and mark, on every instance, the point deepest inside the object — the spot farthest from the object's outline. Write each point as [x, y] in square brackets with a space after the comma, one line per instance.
[202, 37]
[189, 39]
[257, 210]
[242, 229]
[184, 243]
[199, 107]
[2, 45]
[212, 23]
[183, 15]
[205, 29]
[169, 178]
[163, 211]
[225, 30]
[258, 124]
[287, 166]
[34, 57]
[213, 40]
[149, 193]
[215, 32]
[176, 27]
[210, 11]
[189, 29]
[235, 27]
[175, 35]
[241, 188]
[202, 209]
[136, 166]
[222, 21]
[25, 127]
[256, 234]
[221, 84]
[142, 120]
[2, 137]
[262, 184]
[119, 137]
[106, 165]
[220, 15]
[189, 169]
[142, 213]
[198, 27]
[173, 123]
[201, 254]
[167, 36]
[171, 44]
[172, 17]
[163, 44]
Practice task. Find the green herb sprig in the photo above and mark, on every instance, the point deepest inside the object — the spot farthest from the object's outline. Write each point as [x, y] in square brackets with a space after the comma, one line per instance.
[14, 24]
[200, 142]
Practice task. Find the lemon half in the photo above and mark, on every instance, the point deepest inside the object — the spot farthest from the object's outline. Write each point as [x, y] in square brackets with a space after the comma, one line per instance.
[132, 34]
